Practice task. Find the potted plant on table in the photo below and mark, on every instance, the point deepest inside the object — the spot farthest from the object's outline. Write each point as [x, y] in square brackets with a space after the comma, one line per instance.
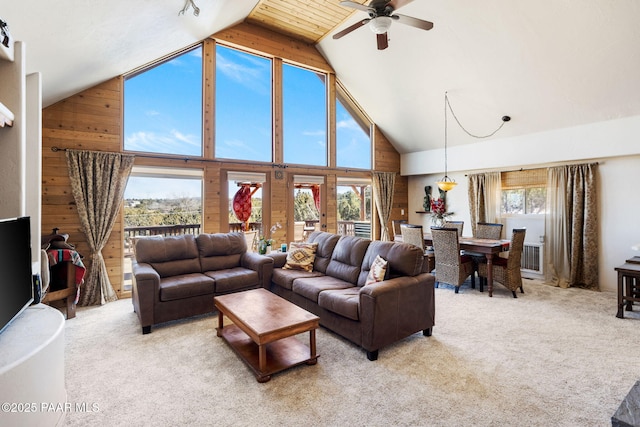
[265, 243]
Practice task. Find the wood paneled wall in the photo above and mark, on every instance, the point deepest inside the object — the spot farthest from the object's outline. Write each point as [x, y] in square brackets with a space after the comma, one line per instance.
[92, 120]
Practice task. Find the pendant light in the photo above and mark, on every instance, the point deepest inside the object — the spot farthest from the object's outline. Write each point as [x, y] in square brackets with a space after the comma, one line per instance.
[446, 183]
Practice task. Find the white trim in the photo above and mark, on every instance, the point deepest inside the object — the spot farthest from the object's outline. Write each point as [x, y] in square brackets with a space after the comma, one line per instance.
[308, 179]
[162, 172]
[250, 177]
[353, 181]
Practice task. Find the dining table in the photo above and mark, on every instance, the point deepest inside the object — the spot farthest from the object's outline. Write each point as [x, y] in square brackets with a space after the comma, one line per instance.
[489, 247]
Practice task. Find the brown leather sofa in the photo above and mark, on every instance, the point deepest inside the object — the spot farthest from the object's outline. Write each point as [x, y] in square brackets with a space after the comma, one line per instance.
[371, 316]
[177, 276]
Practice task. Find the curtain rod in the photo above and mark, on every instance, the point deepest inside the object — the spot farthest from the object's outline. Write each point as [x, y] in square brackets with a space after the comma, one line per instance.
[234, 162]
[546, 167]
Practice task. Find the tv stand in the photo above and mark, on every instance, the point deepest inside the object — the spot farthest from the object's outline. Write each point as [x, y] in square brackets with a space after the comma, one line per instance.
[32, 367]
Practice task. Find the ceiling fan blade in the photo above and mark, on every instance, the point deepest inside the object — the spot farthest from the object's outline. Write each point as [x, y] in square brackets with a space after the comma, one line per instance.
[414, 22]
[351, 28]
[355, 5]
[383, 43]
[397, 4]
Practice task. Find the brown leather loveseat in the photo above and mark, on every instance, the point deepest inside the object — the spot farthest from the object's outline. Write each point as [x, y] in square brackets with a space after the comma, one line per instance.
[372, 315]
[177, 276]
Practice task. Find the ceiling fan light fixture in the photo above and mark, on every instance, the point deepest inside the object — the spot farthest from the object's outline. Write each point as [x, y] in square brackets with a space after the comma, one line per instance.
[380, 24]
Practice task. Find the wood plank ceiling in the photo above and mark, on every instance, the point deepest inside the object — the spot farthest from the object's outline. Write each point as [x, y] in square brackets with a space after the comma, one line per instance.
[309, 20]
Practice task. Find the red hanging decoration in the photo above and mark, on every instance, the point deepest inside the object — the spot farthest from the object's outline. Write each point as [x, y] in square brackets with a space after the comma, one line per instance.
[315, 190]
[242, 204]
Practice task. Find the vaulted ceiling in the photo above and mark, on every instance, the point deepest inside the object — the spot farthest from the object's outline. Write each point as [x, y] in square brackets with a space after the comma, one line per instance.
[549, 64]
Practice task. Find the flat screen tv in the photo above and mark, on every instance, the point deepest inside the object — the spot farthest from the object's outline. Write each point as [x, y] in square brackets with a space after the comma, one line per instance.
[16, 281]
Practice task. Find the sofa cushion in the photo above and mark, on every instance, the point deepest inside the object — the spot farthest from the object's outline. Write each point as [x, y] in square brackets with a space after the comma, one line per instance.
[219, 251]
[185, 286]
[344, 302]
[326, 244]
[346, 259]
[284, 278]
[301, 256]
[169, 256]
[377, 271]
[310, 287]
[233, 279]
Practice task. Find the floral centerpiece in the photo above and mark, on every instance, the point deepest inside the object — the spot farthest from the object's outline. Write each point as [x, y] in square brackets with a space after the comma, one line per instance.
[439, 212]
[264, 242]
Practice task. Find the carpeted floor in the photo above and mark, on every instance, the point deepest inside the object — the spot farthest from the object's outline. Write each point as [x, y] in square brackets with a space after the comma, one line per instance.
[550, 357]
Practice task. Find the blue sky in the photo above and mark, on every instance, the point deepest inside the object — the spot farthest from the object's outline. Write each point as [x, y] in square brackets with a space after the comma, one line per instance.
[163, 114]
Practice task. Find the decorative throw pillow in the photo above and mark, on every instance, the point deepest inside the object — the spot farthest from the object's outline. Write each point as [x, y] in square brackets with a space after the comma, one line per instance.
[377, 272]
[301, 256]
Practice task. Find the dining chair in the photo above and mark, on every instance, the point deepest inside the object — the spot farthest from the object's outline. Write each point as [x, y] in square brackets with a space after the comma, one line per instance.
[488, 230]
[397, 233]
[413, 235]
[451, 267]
[458, 225]
[484, 230]
[507, 270]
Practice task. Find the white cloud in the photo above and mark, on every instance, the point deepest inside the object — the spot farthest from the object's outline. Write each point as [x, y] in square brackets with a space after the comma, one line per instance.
[174, 142]
[250, 77]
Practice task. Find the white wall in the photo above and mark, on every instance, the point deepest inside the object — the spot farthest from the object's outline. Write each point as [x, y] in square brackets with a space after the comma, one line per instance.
[614, 145]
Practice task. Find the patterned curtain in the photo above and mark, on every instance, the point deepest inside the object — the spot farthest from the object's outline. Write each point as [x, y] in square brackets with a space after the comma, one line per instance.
[383, 183]
[484, 198]
[572, 226]
[98, 181]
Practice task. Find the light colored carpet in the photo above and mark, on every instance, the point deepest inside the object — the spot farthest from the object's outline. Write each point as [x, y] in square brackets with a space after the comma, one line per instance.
[550, 357]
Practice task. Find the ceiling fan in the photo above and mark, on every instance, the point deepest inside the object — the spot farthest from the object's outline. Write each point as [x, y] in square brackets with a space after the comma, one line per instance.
[381, 15]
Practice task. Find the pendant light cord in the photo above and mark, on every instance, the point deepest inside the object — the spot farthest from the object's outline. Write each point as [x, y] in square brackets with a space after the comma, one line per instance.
[447, 103]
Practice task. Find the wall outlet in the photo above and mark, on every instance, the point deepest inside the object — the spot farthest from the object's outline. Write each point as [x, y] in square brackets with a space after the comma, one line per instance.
[401, 211]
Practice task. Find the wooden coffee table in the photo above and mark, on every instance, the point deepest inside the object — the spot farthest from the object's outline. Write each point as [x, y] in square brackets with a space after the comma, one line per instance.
[263, 330]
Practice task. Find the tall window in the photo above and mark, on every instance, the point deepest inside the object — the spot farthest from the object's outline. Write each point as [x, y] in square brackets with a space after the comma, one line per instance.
[243, 106]
[353, 139]
[163, 107]
[160, 201]
[307, 205]
[304, 116]
[354, 207]
[245, 188]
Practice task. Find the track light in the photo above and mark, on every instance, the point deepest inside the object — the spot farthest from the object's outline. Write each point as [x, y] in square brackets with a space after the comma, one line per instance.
[196, 9]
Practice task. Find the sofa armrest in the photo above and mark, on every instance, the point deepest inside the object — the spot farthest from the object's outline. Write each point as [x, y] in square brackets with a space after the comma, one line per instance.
[145, 291]
[393, 309]
[279, 259]
[260, 263]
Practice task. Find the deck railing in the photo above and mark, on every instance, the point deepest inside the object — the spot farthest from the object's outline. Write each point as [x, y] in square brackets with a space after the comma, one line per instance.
[345, 228]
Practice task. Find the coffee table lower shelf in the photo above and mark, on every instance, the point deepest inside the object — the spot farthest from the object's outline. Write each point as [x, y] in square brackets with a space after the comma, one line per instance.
[280, 355]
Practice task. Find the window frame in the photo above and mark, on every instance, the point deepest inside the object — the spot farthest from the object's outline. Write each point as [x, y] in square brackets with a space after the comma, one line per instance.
[360, 117]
